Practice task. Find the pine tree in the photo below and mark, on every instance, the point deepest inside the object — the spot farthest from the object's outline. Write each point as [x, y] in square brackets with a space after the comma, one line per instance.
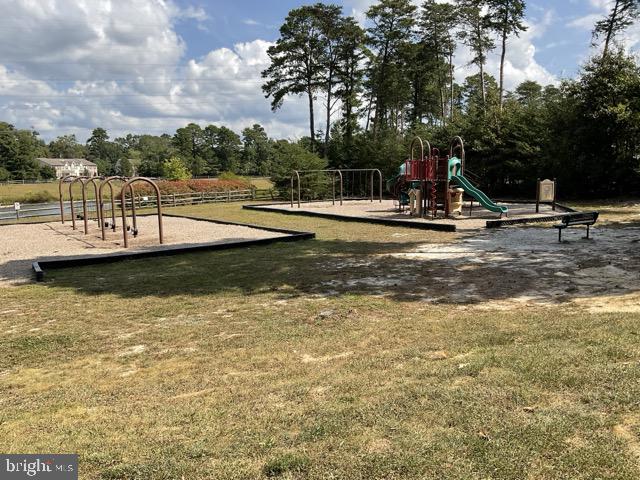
[506, 17]
[296, 62]
[622, 15]
[331, 23]
[390, 33]
[436, 26]
[475, 34]
[351, 54]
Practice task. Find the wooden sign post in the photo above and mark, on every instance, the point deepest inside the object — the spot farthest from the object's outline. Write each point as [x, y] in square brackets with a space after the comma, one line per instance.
[546, 193]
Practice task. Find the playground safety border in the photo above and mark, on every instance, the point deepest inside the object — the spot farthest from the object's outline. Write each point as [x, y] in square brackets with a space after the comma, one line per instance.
[440, 227]
[42, 265]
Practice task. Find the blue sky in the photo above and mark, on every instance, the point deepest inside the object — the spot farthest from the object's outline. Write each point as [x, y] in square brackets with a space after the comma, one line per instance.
[560, 49]
[151, 66]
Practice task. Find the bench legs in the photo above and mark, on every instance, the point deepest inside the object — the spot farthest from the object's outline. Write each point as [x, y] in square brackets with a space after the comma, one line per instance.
[588, 231]
[560, 235]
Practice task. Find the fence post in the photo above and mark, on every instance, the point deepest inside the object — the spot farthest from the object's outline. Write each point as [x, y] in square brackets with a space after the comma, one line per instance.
[228, 195]
[202, 198]
[174, 199]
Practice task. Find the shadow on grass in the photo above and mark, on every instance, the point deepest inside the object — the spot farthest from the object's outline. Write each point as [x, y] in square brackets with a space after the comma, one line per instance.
[411, 271]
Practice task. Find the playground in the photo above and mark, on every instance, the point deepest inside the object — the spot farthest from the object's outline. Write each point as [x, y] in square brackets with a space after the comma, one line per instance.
[472, 217]
[430, 191]
[83, 236]
[46, 242]
[372, 350]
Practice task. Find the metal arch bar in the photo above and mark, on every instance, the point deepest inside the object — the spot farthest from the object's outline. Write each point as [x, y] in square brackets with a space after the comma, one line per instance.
[84, 202]
[107, 181]
[123, 206]
[297, 175]
[93, 180]
[60, 182]
[413, 142]
[368, 170]
[458, 144]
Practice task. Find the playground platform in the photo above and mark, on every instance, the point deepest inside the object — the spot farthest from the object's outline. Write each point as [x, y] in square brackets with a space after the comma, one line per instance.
[386, 213]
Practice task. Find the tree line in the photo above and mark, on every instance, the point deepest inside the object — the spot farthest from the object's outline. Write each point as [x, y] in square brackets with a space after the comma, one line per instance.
[377, 86]
[380, 85]
[192, 151]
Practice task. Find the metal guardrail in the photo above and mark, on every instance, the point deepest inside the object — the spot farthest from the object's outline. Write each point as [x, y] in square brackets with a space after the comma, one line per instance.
[142, 201]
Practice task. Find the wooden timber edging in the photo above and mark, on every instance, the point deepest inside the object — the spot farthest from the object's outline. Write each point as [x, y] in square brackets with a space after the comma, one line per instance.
[440, 227]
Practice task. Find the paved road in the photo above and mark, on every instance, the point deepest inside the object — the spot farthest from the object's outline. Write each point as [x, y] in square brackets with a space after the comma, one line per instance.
[44, 210]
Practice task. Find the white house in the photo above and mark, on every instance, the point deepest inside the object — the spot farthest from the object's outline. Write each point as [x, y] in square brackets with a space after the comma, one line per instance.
[70, 166]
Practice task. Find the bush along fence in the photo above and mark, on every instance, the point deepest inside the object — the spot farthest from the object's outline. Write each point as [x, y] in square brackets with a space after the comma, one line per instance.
[143, 200]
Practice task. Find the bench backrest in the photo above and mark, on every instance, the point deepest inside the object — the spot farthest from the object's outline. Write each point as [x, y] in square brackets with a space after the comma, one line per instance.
[580, 217]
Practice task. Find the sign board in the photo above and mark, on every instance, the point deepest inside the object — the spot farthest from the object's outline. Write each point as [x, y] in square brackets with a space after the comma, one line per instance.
[16, 206]
[547, 191]
[145, 199]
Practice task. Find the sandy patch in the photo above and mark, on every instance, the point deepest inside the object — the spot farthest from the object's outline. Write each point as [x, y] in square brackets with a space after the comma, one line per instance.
[135, 350]
[624, 431]
[387, 209]
[327, 358]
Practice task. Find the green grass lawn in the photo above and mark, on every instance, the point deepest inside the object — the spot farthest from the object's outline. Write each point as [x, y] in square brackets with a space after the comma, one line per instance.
[262, 183]
[236, 364]
[31, 193]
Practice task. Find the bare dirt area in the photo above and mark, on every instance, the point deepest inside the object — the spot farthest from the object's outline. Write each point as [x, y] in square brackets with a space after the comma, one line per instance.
[23, 244]
[471, 218]
[504, 268]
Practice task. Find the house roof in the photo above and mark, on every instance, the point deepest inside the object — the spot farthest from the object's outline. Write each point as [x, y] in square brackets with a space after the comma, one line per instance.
[60, 162]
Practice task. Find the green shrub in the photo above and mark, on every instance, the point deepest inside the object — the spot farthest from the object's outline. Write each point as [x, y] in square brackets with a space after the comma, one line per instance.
[42, 196]
[231, 176]
[175, 169]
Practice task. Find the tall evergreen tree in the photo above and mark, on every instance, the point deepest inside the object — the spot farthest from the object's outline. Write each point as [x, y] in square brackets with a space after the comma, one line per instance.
[437, 23]
[622, 15]
[296, 61]
[391, 31]
[507, 18]
[475, 34]
[331, 23]
[350, 73]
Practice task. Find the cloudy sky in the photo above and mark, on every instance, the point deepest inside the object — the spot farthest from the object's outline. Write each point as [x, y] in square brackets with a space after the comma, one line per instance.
[151, 66]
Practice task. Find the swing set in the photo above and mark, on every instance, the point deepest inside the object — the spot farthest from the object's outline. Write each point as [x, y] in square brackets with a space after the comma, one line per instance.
[345, 184]
[99, 183]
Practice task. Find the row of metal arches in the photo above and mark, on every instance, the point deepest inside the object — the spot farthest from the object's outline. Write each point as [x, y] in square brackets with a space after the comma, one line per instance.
[128, 185]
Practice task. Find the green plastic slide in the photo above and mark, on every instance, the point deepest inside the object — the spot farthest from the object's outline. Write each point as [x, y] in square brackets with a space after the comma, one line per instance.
[478, 195]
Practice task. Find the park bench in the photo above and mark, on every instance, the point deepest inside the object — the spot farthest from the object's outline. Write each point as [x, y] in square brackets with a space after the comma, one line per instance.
[576, 219]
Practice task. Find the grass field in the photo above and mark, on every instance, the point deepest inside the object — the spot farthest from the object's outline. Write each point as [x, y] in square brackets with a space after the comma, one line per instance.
[249, 364]
[29, 192]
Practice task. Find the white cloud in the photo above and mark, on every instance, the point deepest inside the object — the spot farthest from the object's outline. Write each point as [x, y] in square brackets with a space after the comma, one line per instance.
[193, 13]
[629, 39]
[585, 22]
[71, 66]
